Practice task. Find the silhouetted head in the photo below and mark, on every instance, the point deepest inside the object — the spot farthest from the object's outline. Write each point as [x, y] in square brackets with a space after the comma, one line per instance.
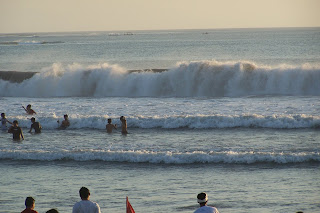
[33, 119]
[3, 115]
[15, 122]
[29, 202]
[29, 106]
[84, 193]
[65, 116]
[109, 120]
[52, 211]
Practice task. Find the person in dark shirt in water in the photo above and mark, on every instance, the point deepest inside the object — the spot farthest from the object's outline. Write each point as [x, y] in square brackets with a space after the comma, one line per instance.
[16, 131]
[35, 125]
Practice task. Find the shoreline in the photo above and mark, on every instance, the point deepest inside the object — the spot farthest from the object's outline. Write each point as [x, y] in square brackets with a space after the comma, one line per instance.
[18, 76]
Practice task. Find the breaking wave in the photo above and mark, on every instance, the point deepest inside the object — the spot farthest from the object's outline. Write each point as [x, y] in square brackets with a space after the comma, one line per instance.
[187, 121]
[144, 156]
[187, 79]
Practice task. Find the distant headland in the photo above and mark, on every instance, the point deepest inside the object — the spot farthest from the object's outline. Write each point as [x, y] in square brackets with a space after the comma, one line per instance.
[18, 76]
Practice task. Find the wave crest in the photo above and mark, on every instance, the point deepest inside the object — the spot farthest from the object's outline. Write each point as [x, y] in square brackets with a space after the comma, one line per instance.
[143, 156]
[186, 121]
[187, 79]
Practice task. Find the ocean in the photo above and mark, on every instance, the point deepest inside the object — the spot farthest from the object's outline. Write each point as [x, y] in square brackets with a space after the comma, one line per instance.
[231, 112]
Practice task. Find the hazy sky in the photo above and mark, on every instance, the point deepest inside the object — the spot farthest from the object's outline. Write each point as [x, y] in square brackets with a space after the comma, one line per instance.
[111, 15]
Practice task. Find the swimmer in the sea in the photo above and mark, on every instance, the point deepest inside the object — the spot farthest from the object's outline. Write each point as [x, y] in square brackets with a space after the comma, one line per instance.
[16, 131]
[29, 110]
[110, 126]
[35, 125]
[123, 125]
[65, 123]
[4, 122]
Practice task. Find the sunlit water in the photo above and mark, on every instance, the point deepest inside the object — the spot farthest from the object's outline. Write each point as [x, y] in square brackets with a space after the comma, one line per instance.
[174, 149]
[242, 127]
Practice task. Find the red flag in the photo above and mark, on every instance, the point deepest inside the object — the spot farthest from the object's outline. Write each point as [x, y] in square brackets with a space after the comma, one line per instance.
[129, 207]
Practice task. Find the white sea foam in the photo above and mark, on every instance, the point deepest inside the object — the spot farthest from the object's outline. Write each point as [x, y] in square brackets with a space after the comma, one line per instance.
[187, 79]
[143, 156]
[193, 122]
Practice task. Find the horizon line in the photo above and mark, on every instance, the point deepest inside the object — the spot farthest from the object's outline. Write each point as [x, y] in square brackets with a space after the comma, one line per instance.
[173, 29]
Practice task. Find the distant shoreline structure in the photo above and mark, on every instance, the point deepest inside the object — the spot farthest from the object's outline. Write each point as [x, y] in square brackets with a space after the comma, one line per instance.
[18, 76]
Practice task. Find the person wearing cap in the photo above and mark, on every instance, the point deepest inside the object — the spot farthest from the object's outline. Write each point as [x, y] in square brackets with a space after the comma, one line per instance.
[35, 125]
[16, 131]
[85, 205]
[202, 200]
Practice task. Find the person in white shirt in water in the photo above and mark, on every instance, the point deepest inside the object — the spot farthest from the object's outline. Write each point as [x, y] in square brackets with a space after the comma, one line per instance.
[85, 205]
